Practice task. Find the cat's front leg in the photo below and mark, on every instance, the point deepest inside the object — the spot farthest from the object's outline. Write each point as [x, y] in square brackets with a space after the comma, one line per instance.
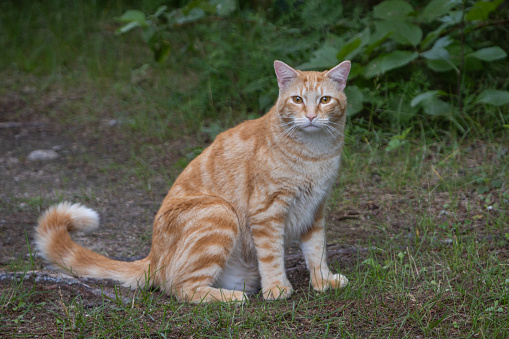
[312, 244]
[267, 230]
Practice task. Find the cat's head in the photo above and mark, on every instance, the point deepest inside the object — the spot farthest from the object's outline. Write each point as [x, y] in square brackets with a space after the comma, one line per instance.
[312, 102]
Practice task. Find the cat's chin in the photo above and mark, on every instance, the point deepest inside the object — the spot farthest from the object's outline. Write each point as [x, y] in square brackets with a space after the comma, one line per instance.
[311, 129]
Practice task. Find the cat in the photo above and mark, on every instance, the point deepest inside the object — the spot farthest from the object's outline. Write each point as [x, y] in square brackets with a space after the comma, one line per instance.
[220, 232]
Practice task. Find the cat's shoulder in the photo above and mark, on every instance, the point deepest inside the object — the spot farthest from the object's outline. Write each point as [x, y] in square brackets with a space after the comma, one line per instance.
[247, 130]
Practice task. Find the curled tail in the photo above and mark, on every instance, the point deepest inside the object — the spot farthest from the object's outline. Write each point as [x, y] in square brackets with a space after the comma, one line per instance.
[54, 243]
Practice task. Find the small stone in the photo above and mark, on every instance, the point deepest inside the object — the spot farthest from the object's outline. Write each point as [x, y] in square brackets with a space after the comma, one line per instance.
[34, 255]
[28, 89]
[112, 122]
[43, 155]
[12, 161]
[503, 152]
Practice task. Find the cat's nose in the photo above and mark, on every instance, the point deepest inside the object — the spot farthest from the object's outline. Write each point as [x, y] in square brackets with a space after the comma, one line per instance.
[310, 117]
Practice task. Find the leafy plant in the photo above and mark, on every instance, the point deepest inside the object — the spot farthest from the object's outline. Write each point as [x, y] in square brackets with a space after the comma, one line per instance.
[388, 45]
[154, 26]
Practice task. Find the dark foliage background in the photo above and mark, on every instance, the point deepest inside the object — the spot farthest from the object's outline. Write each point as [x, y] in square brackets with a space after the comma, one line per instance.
[420, 68]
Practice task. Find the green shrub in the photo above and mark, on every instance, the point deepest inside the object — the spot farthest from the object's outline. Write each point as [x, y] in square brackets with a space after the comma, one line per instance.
[434, 64]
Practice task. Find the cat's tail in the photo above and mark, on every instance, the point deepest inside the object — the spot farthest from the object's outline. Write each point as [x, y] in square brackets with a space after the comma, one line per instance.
[54, 244]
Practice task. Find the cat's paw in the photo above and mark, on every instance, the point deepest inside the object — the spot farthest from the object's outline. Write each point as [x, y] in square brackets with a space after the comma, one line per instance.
[278, 291]
[332, 281]
[236, 296]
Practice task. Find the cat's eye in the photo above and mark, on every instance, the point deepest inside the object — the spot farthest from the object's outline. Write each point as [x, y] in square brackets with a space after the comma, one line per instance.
[297, 99]
[325, 99]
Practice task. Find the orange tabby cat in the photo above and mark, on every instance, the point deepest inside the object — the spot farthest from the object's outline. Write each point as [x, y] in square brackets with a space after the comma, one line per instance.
[220, 232]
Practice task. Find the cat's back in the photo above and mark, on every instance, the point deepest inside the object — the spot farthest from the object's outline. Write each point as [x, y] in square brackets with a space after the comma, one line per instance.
[244, 139]
[251, 138]
[226, 160]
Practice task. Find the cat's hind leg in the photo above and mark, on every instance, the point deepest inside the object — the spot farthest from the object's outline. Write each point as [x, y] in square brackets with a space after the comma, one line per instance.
[209, 233]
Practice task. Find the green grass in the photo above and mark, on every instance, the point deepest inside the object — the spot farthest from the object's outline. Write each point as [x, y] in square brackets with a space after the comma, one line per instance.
[432, 289]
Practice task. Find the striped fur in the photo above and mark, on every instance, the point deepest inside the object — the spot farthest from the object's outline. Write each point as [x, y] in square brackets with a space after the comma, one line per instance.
[221, 230]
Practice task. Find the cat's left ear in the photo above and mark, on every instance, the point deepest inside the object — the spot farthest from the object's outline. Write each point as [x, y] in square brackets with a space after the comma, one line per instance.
[339, 74]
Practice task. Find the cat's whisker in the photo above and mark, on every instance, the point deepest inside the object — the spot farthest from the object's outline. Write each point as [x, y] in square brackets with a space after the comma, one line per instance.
[291, 130]
[285, 132]
[288, 123]
[334, 123]
[328, 129]
[332, 128]
[341, 134]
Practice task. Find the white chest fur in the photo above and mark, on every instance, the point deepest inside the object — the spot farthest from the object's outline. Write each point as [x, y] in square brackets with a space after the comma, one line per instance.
[310, 195]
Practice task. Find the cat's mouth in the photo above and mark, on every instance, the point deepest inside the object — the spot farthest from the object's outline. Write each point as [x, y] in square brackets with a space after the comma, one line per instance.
[310, 128]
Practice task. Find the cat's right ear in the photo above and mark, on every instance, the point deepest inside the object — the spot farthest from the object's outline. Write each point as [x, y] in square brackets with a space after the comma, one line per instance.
[284, 73]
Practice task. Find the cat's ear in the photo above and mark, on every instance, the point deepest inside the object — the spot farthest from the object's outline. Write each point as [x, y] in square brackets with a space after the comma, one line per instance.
[284, 73]
[339, 74]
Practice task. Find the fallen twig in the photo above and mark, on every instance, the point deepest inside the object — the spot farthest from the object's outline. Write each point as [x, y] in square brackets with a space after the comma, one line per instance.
[65, 281]
[12, 124]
